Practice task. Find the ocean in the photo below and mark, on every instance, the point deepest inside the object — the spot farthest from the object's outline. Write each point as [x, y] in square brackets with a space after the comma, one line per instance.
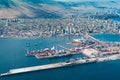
[12, 55]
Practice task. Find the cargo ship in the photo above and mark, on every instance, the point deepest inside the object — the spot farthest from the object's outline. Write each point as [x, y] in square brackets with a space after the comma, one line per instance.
[51, 53]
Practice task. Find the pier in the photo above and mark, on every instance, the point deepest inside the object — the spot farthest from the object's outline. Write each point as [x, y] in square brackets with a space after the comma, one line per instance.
[94, 52]
[92, 38]
[49, 66]
[61, 64]
[99, 41]
[52, 53]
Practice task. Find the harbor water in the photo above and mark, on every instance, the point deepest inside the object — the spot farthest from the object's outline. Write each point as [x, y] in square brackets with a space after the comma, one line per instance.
[12, 56]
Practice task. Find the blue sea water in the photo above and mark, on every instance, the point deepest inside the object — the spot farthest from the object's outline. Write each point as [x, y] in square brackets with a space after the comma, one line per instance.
[12, 55]
[116, 19]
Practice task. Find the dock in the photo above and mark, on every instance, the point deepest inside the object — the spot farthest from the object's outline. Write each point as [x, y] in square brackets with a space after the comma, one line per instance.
[95, 52]
[48, 66]
[57, 55]
[61, 64]
[29, 69]
[52, 53]
[92, 38]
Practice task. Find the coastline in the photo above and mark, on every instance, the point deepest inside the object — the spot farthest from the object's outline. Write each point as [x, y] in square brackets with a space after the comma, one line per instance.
[39, 73]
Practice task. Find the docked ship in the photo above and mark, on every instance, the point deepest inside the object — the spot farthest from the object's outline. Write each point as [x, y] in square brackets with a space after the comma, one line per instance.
[44, 52]
[51, 53]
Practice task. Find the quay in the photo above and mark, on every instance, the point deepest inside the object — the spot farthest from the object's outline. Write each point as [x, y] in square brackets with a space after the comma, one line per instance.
[49, 66]
[62, 64]
[52, 53]
[56, 55]
[93, 49]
